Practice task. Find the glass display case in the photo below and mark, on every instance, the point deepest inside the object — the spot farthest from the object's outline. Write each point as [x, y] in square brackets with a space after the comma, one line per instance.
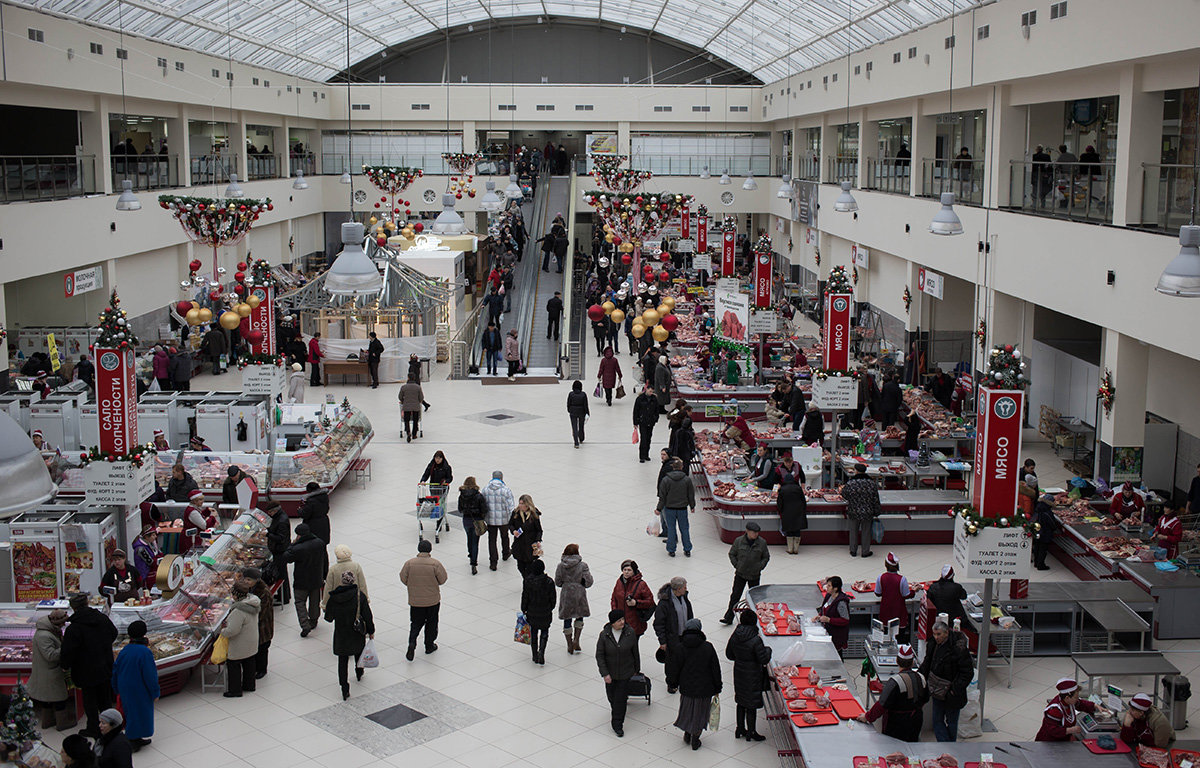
[336, 441]
[210, 469]
[41, 755]
[167, 638]
[16, 634]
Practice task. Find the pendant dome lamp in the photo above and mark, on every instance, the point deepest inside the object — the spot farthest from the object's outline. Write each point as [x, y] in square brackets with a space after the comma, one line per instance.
[704, 174]
[1182, 275]
[513, 190]
[749, 184]
[353, 273]
[448, 221]
[490, 201]
[24, 481]
[300, 182]
[946, 221]
[233, 189]
[785, 187]
[127, 201]
[845, 202]
[725, 180]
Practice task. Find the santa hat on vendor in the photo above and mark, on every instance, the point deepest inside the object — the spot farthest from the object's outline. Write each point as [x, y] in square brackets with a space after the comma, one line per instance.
[196, 498]
[1141, 702]
[905, 652]
[892, 560]
[1066, 686]
[159, 433]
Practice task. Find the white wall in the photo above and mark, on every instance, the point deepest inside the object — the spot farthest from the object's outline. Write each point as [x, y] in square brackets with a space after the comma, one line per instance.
[1065, 383]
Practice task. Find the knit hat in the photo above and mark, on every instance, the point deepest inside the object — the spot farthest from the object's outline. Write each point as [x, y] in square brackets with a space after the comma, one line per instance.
[1141, 702]
[905, 652]
[1126, 486]
[78, 600]
[112, 717]
[947, 571]
[860, 468]
[615, 614]
[119, 553]
[297, 367]
[1067, 685]
[303, 529]
[348, 577]
[77, 748]
[342, 552]
[137, 630]
[748, 617]
[425, 546]
[692, 624]
[892, 560]
[233, 470]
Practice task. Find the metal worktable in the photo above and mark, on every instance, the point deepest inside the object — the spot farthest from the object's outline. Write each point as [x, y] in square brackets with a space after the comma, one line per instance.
[1176, 593]
[1114, 616]
[1094, 665]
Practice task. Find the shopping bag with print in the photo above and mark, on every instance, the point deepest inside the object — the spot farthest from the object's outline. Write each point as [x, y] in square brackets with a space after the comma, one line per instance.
[521, 633]
[714, 713]
[598, 392]
[369, 658]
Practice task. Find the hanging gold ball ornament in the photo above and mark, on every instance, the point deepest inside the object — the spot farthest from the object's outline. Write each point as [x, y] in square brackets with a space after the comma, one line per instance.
[407, 232]
[243, 310]
[617, 316]
[670, 302]
[627, 247]
[205, 315]
[373, 221]
[608, 307]
[230, 320]
[608, 238]
[638, 330]
[663, 310]
[651, 317]
[253, 301]
[192, 317]
[660, 333]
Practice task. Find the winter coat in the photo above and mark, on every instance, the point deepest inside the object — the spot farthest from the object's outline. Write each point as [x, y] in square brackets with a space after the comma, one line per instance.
[500, 502]
[610, 370]
[162, 364]
[862, 498]
[617, 655]
[947, 596]
[683, 442]
[308, 553]
[531, 531]
[950, 660]
[577, 403]
[423, 576]
[279, 533]
[47, 681]
[645, 410]
[694, 668]
[813, 428]
[643, 597]
[749, 656]
[512, 349]
[411, 397]
[792, 506]
[573, 578]
[491, 340]
[663, 380]
[890, 398]
[666, 619]
[296, 385]
[214, 344]
[315, 512]
[178, 490]
[344, 564]
[314, 350]
[87, 647]
[135, 679]
[749, 558]
[266, 613]
[472, 506]
[438, 474]
[181, 368]
[343, 605]
[113, 750]
[676, 491]
[537, 600]
[241, 628]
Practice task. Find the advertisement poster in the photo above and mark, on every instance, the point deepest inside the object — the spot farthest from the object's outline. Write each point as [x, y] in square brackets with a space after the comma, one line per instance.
[997, 451]
[602, 143]
[732, 309]
[34, 571]
[702, 234]
[77, 560]
[804, 202]
[728, 240]
[929, 282]
[1127, 464]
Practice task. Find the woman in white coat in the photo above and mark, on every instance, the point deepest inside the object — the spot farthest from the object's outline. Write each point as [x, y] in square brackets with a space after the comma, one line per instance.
[296, 384]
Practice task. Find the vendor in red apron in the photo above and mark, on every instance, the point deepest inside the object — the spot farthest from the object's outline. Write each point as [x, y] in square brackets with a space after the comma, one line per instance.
[1058, 718]
[893, 590]
[1126, 505]
[1169, 531]
[900, 702]
[160, 441]
[1145, 724]
[197, 516]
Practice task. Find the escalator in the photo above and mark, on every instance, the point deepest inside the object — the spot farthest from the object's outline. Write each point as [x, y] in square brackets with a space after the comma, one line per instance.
[541, 353]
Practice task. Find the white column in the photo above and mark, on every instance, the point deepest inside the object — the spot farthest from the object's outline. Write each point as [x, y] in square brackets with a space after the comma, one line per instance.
[868, 138]
[1139, 133]
[94, 140]
[1005, 142]
[924, 143]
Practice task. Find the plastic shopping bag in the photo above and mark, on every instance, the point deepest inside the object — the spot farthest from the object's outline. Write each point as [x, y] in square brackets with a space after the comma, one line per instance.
[220, 651]
[654, 527]
[877, 530]
[635, 436]
[793, 656]
[521, 633]
[714, 713]
[369, 658]
[598, 392]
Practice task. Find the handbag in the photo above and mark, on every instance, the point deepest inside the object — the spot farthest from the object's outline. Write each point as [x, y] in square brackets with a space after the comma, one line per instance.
[598, 392]
[220, 650]
[939, 687]
[620, 391]
[521, 634]
[480, 527]
[358, 622]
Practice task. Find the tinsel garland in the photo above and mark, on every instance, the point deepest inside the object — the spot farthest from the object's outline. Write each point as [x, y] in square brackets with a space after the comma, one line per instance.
[137, 455]
[972, 521]
[838, 281]
[261, 359]
[1107, 392]
[392, 179]
[1006, 368]
[215, 222]
[115, 332]
[462, 162]
[824, 373]
[720, 343]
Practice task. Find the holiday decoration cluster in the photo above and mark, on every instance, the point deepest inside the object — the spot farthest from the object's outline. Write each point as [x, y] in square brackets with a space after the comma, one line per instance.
[215, 222]
[1006, 369]
[838, 281]
[635, 218]
[115, 332]
[260, 359]
[137, 455]
[907, 299]
[660, 321]
[728, 224]
[1107, 392]
[973, 522]
[981, 334]
[462, 162]
[763, 246]
[825, 373]
[609, 174]
[392, 179]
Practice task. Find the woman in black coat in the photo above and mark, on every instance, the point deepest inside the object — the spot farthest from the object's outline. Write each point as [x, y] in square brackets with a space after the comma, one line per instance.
[750, 657]
[792, 506]
[537, 603]
[473, 507]
[346, 608]
[813, 429]
[438, 472]
[683, 441]
[113, 749]
[696, 671]
[526, 527]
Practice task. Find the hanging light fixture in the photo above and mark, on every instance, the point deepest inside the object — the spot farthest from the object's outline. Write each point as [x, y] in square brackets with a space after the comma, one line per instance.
[24, 481]
[353, 273]
[725, 180]
[785, 187]
[233, 189]
[448, 221]
[845, 202]
[1182, 275]
[750, 184]
[127, 201]
[513, 190]
[490, 201]
[704, 174]
[945, 221]
[300, 182]
[345, 179]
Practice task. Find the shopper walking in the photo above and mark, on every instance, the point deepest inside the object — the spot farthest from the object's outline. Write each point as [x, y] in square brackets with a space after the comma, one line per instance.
[343, 562]
[792, 506]
[554, 310]
[350, 612]
[618, 661]
[424, 577]
[750, 658]
[749, 556]
[893, 591]
[645, 416]
[676, 498]
[632, 595]
[307, 552]
[862, 507]
[947, 670]
[900, 703]
[526, 527]
[696, 672]
[135, 680]
[296, 382]
[671, 615]
[512, 354]
[834, 613]
[251, 580]
[374, 355]
[411, 397]
[162, 368]
[181, 371]
[87, 656]
[573, 578]
[491, 343]
[279, 538]
[314, 359]
[538, 599]
[609, 374]
[474, 510]
[500, 505]
[47, 683]
[240, 628]
[577, 411]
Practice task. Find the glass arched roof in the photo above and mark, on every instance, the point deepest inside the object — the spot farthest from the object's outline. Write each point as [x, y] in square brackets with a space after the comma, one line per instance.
[307, 38]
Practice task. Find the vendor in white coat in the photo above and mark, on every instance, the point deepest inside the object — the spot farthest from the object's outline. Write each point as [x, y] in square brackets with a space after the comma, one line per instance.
[296, 384]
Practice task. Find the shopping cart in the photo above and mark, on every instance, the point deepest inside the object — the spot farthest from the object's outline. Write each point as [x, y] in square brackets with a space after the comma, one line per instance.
[431, 507]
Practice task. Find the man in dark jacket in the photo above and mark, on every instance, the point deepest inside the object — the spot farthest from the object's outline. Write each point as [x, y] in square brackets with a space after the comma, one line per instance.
[890, 399]
[87, 654]
[561, 244]
[617, 660]
[495, 307]
[577, 410]
[948, 670]
[279, 537]
[213, 346]
[308, 576]
[492, 342]
[554, 310]
[315, 512]
[180, 368]
[676, 497]
[670, 616]
[86, 372]
[374, 353]
[749, 556]
[645, 416]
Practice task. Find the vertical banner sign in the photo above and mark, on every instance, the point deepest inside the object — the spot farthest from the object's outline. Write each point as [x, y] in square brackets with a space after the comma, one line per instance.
[262, 318]
[762, 280]
[116, 400]
[701, 234]
[685, 231]
[997, 451]
[837, 331]
[727, 239]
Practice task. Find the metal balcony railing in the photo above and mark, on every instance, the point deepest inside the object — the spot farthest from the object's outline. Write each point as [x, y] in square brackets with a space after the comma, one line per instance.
[213, 169]
[262, 166]
[145, 171]
[808, 169]
[1076, 191]
[890, 174]
[306, 162]
[842, 169]
[47, 177]
[1167, 194]
[962, 177]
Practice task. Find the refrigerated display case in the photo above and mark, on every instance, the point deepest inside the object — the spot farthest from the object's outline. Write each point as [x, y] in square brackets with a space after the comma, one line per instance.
[210, 468]
[334, 445]
[88, 538]
[16, 635]
[37, 554]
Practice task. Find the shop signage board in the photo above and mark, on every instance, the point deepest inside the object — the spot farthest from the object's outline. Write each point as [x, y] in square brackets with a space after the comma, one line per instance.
[764, 321]
[83, 281]
[702, 262]
[762, 280]
[269, 380]
[52, 348]
[116, 400]
[997, 451]
[118, 483]
[702, 234]
[721, 411]
[727, 242]
[992, 553]
[929, 282]
[262, 318]
[35, 558]
[860, 256]
[732, 309]
[685, 229]
[837, 331]
[835, 393]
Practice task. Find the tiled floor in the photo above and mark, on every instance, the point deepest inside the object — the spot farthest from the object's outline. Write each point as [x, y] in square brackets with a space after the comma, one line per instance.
[485, 703]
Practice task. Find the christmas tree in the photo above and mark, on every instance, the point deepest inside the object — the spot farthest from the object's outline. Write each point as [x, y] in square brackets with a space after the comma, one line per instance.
[838, 282]
[20, 728]
[115, 332]
[1006, 369]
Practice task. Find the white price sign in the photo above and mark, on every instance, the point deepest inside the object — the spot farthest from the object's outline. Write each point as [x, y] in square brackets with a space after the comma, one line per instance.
[118, 484]
[702, 262]
[765, 321]
[992, 553]
[836, 393]
[685, 245]
[263, 380]
[83, 281]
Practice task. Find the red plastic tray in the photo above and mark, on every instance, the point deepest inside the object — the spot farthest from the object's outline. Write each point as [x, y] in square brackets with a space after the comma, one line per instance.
[1186, 754]
[848, 709]
[1141, 750]
[862, 761]
[837, 695]
[1121, 748]
[823, 718]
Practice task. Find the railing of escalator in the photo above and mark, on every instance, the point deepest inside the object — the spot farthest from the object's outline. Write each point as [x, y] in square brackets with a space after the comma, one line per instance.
[462, 346]
[527, 292]
[570, 358]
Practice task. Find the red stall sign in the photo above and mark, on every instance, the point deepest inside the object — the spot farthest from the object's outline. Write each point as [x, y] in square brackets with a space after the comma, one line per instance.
[837, 331]
[701, 234]
[762, 280]
[262, 319]
[997, 451]
[685, 231]
[116, 399]
[727, 240]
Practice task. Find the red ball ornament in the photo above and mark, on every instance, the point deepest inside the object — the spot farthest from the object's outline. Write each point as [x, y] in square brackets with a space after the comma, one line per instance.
[458, 195]
[1008, 348]
[214, 295]
[239, 276]
[418, 227]
[383, 199]
[626, 259]
[595, 313]
[407, 211]
[471, 193]
[194, 265]
[254, 337]
[200, 206]
[270, 207]
[395, 210]
[664, 276]
[110, 459]
[183, 307]
[376, 205]
[239, 289]
[241, 266]
[381, 241]
[670, 322]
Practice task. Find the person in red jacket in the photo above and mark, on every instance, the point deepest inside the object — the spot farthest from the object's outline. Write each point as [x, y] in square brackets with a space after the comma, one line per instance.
[314, 359]
[632, 595]
[893, 591]
[1127, 505]
[199, 516]
[1058, 718]
[1169, 531]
